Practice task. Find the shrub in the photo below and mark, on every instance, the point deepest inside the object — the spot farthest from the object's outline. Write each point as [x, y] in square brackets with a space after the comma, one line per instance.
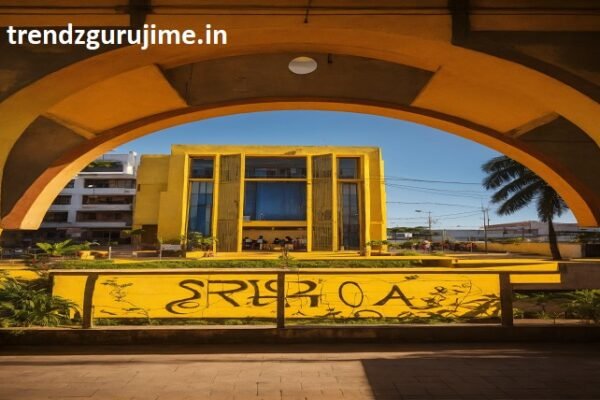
[585, 304]
[30, 303]
[62, 248]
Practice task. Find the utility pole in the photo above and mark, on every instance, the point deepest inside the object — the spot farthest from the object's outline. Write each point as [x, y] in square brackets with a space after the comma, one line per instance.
[430, 231]
[485, 237]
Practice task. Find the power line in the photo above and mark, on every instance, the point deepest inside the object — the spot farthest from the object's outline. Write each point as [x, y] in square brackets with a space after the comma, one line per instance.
[444, 216]
[472, 195]
[433, 204]
[400, 178]
[461, 213]
[435, 189]
[473, 192]
[464, 216]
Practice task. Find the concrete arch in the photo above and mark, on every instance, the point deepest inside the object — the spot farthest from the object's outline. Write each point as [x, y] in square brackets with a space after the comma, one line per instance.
[99, 102]
[31, 208]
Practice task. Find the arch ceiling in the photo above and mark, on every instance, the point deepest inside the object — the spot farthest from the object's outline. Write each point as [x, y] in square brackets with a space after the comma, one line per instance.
[524, 82]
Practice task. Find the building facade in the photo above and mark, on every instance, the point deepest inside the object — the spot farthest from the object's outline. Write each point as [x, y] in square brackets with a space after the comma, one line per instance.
[97, 205]
[260, 197]
[536, 230]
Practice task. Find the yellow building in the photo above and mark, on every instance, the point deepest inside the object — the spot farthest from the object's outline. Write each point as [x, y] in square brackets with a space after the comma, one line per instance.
[250, 197]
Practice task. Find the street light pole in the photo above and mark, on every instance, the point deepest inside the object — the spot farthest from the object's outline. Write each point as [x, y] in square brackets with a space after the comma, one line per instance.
[430, 231]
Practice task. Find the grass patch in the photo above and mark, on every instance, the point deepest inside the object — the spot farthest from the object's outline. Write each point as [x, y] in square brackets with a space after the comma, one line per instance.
[289, 322]
[176, 264]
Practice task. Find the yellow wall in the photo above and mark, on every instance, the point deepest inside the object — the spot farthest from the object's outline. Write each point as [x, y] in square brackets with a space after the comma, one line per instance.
[568, 250]
[152, 179]
[343, 294]
[313, 293]
[163, 200]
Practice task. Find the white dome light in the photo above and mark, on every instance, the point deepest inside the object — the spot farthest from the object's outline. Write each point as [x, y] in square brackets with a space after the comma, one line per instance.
[302, 65]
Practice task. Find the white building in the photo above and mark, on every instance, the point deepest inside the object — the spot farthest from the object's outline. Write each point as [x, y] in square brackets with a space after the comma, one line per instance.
[526, 230]
[537, 230]
[97, 204]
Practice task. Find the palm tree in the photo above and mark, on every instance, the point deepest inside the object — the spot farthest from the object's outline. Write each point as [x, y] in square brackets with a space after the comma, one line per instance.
[516, 187]
[62, 248]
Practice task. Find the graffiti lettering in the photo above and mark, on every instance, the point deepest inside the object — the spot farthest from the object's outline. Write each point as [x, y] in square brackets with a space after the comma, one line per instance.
[368, 314]
[310, 287]
[187, 303]
[395, 293]
[225, 294]
[307, 295]
[358, 292]
[257, 296]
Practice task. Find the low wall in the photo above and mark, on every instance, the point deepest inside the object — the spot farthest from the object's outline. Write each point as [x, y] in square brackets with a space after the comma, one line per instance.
[322, 334]
[567, 250]
[573, 276]
[315, 293]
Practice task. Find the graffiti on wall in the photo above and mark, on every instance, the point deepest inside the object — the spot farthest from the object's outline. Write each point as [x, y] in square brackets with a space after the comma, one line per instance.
[310, 295]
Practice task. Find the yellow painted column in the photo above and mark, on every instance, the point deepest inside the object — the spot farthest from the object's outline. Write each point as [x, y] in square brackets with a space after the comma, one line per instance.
[309, 198]
[215, 207]
[334, 209]
[383, 198]
[173, 201]
[366, 189]
[185, 207]
[241, 202]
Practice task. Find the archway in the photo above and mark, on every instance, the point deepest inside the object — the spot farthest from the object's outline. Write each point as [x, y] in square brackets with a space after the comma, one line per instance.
[406, 71]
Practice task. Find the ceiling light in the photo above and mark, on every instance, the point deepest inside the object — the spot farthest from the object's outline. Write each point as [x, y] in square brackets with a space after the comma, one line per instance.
[302, 65]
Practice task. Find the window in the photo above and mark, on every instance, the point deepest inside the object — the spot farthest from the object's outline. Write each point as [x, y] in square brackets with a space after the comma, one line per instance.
[109, 184]
[62, 200]
[275, 167]
[348, 168]
[349, 234]
[70, 185]
[201, 168]
[104, 216]
[56, 216]
[107, 200]
[275, 201]
[200, 208]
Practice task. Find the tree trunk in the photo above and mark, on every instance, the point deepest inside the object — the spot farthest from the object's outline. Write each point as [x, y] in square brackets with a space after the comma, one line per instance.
[553, 241]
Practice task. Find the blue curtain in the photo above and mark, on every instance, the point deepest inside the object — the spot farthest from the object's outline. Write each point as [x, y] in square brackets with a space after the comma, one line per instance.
[275, 201]
[200, 212]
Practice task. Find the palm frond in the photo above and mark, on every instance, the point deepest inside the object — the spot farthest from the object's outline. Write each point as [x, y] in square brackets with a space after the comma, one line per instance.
[516, 186]
[501, 170]
[519, 200]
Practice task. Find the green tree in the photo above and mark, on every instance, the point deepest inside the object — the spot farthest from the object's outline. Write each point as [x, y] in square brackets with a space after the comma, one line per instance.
[195, 240]
[516, 187]
[62, 248]
[135, 235]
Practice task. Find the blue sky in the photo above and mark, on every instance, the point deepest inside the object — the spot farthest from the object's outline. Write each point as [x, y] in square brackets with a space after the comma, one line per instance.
[412, 154]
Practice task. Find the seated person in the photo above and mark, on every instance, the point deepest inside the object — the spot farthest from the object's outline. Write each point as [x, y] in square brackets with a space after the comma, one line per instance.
[261, 242]
[289, 243]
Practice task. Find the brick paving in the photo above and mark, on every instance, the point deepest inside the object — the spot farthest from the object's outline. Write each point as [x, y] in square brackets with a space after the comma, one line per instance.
[304, 372]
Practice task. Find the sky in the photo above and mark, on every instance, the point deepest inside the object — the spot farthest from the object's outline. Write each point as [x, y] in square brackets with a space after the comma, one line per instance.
[414, 156]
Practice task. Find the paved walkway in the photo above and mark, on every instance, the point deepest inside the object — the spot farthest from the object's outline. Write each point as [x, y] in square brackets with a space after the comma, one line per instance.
[460, 371]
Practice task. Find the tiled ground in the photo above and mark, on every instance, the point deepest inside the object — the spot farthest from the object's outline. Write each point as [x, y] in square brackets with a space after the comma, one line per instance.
[460, 371]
